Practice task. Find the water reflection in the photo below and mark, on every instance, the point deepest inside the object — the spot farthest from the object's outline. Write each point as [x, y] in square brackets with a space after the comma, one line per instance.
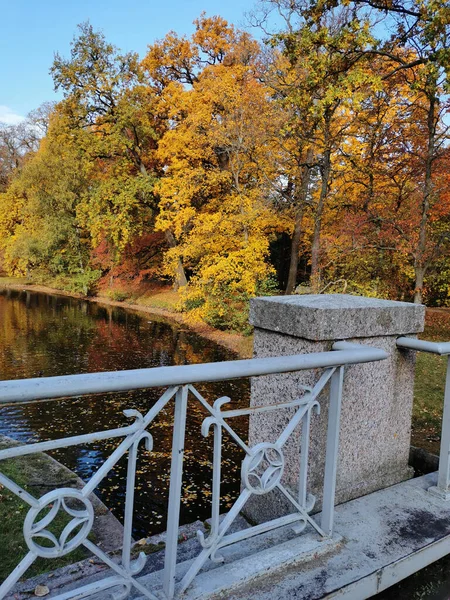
[44, 335]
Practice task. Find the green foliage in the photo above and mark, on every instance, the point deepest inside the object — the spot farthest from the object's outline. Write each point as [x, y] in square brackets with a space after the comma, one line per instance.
[437, 284]
[108, 113]
[85, 282]
[118, 208]
[94, 76]
[118, 295]
[226, 306]
[80, 282]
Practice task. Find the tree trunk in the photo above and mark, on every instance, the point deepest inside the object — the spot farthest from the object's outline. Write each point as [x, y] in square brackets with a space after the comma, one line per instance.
[325, 174]
[295, 246]
[420, 265]
[180, 276]
[300, 200]
[420, 276]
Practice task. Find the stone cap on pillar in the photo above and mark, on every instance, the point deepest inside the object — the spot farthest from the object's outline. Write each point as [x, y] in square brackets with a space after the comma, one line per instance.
[336, 316]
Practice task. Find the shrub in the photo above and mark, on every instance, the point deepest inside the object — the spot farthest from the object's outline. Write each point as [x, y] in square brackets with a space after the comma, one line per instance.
[119, 295]
[225, 306]
[85, 282]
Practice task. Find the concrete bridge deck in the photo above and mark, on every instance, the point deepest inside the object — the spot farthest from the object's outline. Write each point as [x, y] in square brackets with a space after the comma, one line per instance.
[380, 539]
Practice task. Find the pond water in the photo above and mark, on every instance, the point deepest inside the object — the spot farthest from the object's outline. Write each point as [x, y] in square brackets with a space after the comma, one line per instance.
[45, 335]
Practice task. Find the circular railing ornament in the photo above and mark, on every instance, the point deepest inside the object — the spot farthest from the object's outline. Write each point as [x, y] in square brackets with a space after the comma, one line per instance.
[58, 502]
[262, 468]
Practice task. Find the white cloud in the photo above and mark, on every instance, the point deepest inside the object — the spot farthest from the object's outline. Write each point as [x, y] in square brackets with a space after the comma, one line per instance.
[8, 116]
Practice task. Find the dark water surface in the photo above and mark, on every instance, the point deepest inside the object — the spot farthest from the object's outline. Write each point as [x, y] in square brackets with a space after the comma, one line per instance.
[45, 335]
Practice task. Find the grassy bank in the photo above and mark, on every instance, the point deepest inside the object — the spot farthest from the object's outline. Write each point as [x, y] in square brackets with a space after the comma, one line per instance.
[30, 472]
[430, 383]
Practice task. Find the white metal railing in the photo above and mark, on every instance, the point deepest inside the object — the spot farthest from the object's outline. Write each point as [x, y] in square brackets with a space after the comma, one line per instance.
[442, 490]
[262, 468]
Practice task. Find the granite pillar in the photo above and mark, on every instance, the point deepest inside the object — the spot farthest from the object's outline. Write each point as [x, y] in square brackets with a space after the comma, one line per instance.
[377, 397]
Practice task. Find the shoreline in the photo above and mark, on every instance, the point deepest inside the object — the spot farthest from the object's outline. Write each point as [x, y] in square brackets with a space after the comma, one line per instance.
[239, 344]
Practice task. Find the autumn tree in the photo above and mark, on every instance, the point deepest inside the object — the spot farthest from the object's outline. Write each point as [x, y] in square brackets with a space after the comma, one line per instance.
[325, 59]
[176, 62]
[39, 229]
[420, 28]
[368, 239]
[104, 98]
[212, 196]
[213, 150]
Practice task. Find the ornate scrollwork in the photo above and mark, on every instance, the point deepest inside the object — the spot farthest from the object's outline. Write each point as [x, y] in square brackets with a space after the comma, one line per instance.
[262, 468]
[58, 502]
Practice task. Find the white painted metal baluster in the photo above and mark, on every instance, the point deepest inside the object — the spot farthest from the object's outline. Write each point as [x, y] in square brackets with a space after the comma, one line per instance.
[176, 477]
[216, 479]
[207, 552]
[444, 457]
[140, 424]
[129, 497]
[217, 468]
[329, 487]
[442, 488]
[309, 400]
[304, 456]
[217, 471]
[441, 349]
[129, 505]
[118, 569]
[17, 490]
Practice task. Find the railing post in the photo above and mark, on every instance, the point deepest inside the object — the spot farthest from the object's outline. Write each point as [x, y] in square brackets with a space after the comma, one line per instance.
[331, 460]
[442, 488]
[176, 480]
[377, 398]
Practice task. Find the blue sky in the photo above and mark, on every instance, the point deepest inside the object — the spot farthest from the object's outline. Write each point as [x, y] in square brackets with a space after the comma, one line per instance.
[33, 30]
